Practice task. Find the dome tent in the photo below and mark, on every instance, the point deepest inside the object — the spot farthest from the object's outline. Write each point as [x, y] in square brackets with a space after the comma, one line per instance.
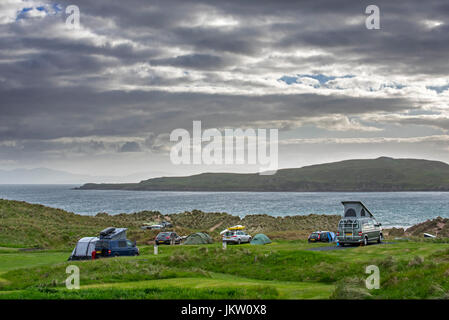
[84, 248]
[198, 238]
[260, 238]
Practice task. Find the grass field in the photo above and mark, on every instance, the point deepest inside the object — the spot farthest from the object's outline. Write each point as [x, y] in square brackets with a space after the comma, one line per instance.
[281, 270]
[35, 242]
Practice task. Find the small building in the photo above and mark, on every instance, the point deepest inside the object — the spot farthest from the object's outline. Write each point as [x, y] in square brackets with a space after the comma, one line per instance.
[356, 209]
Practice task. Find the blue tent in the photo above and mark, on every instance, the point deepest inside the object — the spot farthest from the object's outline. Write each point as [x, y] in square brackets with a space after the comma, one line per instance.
[331, 236]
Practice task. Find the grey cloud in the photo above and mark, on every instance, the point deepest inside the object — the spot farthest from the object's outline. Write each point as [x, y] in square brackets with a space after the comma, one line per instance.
[50, 114]
[108, 81]
[130, 146]
[194, 61]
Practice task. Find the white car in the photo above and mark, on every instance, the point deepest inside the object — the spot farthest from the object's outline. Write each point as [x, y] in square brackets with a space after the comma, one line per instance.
[236, 236]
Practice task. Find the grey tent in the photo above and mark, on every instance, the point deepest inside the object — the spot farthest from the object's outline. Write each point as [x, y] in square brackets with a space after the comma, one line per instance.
[84, 248]
[260, 238]
[198, 238]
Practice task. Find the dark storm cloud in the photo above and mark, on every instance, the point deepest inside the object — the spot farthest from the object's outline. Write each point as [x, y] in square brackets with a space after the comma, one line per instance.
[68, 113]
[194, 61]
[55, 85]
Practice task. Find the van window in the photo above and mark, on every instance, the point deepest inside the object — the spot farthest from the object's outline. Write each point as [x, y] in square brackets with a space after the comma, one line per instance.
[102, 244]
[362, 213]
[350, 213]
[122, 244]
[129, 243]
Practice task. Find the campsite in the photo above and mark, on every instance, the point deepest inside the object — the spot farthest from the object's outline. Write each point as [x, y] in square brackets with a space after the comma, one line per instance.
[33, 265]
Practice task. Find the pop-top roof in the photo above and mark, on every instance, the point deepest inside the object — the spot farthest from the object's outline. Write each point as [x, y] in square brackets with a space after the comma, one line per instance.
[112, 233]
[359, 203]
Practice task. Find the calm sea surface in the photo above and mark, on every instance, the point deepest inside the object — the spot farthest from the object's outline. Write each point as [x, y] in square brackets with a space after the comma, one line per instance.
[390, 208]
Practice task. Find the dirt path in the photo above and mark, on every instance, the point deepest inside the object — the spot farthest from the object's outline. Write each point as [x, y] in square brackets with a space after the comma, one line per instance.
[216, 226]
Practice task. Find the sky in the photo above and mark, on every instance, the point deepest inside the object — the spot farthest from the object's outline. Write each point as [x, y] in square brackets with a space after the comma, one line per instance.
[103, 99]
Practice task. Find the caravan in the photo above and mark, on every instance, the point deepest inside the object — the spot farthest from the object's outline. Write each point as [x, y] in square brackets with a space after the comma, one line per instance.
[113, 243]
[358, 226]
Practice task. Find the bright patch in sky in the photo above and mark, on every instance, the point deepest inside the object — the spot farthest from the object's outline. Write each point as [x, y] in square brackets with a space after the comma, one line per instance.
[321, 78]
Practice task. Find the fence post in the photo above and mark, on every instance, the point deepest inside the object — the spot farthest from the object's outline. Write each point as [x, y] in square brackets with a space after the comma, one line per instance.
[225, 244]
[155, 249]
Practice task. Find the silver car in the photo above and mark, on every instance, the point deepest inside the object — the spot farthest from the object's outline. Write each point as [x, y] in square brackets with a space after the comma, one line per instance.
[237, 236]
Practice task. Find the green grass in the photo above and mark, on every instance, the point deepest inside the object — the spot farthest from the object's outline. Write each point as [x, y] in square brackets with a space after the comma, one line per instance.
[285, 269]
[16, 259]
[24, 225]
[281, 270]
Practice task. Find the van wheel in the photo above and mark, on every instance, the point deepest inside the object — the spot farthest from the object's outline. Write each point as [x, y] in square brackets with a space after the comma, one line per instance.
[365, 241]
[116, 255]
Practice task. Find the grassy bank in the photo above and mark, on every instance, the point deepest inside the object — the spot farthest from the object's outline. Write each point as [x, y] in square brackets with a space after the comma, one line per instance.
[281, 270]
[285, 269]
[24, 225]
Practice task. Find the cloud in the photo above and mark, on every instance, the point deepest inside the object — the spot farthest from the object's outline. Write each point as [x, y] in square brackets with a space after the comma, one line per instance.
[377, 140]
[140, 67]
[130, 146]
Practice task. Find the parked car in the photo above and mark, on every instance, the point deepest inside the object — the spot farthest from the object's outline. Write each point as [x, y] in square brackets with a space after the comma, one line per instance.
[358, 226]
[115, 248]
[166, 224]
[321, 236]
[113, 243]
[168, 238]
[157, 226]
[236, 236]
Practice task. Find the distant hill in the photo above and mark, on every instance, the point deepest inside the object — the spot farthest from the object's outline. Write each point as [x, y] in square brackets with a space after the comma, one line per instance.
[51, 176]
[381, 174]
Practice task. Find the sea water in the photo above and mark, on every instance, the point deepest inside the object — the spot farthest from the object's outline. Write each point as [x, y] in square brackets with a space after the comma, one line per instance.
[390, 208]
